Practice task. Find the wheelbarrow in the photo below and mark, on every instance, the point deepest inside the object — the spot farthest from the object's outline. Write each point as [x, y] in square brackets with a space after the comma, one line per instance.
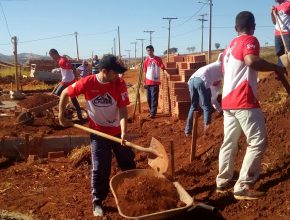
[27, 115]
[183, 195]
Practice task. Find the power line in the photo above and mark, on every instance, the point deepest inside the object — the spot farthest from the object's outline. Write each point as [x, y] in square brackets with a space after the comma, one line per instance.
[7, 26]
[46, 38]
[194, 15]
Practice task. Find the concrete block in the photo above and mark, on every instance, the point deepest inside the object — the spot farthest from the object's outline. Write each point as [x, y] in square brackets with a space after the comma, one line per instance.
[57, 154]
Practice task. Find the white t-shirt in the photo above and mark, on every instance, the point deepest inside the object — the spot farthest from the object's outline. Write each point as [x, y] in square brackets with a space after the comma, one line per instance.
[209, 73]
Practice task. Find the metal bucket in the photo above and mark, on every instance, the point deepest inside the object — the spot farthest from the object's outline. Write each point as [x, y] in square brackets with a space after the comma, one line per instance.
[183, 195]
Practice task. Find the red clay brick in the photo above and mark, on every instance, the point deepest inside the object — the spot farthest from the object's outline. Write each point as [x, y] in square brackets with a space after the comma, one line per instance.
[170, 64]
[181, 65]
[174, 78]
[193, 65]
[172, 71]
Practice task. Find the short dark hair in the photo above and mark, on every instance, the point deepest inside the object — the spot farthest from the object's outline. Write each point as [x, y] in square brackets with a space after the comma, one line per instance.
[150, 47]
[111, 62]
[245, 21]
[53, 51]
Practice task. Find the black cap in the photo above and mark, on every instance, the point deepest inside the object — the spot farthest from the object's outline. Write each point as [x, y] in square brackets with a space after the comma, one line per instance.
[111, 62]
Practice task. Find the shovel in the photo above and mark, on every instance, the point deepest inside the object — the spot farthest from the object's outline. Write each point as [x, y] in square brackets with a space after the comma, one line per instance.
[285, 58]
[159, 162]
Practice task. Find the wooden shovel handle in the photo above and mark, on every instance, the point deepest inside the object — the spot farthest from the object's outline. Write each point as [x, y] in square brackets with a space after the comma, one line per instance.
[115, 139]
[280, 30]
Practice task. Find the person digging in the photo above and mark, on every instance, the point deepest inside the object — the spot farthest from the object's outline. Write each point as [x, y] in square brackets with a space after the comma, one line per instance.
[67, 78]
[200, 84]
[242, 112]
[107, 99]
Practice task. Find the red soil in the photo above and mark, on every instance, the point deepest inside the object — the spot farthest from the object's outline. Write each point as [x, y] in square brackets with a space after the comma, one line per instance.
[58, 190]
[145, 195]
[36, 100]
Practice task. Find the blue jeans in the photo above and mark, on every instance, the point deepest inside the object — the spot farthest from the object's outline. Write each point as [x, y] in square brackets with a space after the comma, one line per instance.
[198, 91]
[280, 50]
[101, 164]
[74, 100]
[152, 98]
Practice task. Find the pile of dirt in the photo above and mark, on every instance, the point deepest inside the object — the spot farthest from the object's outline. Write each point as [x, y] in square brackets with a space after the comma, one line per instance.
[36, 100]
[146, 194]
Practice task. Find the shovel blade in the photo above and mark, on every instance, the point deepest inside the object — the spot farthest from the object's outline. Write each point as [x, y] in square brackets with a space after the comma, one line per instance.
[159, 164]
[285, 59]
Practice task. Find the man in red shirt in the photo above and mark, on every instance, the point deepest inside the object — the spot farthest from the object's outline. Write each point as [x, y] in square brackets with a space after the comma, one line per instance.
[107, 99]
[283, 13]
[241, 63]
[151, 70]
[67, 78]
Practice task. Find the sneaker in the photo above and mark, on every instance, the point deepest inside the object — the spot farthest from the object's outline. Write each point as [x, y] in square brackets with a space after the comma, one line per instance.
[187, 134]
[224, 189]
[228, 187]
[248, 194]
[98, 210]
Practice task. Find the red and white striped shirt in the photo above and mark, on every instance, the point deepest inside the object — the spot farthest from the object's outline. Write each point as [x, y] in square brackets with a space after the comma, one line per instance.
[240, 81]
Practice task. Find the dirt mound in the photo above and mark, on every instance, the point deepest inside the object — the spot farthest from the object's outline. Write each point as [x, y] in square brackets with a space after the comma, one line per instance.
[146, 194]
[36, 100]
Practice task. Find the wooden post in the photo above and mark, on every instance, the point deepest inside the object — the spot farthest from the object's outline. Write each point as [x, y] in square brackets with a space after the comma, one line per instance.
[194, 136]
[172, 158]
[139, 103]
[27, 150]
[14, 39]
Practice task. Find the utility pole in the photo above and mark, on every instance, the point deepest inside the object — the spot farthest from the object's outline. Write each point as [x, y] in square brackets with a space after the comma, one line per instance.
[169, 27]
[120, 57]
[202, 27]
[129, 58]
[112, 50]
[135, 43]
[77, 44]
[114, 46]
[141, 39]
[14, 39]
[209, 32]
[150, 34]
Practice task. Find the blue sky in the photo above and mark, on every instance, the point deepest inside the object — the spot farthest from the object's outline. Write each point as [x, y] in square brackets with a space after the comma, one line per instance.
[96, 22]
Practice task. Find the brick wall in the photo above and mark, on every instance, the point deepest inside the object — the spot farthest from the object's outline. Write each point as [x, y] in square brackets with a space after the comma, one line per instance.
[174, 95]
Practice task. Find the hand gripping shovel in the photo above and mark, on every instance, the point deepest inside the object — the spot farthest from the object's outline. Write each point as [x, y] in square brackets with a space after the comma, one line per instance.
[158, 158]
[285, 58]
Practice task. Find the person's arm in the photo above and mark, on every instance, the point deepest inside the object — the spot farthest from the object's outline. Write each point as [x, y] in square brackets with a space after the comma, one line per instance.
[123, 123]
[258, 64]
[64, 99]
[273, 10]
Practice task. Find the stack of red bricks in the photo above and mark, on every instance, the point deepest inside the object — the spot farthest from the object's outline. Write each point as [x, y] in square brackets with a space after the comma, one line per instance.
[174, 93]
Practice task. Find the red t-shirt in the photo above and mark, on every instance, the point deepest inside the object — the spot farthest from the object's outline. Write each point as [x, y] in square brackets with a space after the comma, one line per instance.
[67, 73]
[151, 69]
[240, 81]
[283, 11]
[103, 102]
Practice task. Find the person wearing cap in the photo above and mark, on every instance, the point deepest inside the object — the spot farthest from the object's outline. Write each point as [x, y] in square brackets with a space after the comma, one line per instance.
[67, 78]
[107, 99]
[83, 70]
[282, 11]
[241, 109]
[95, 65]
[151, 70]
[199, 85]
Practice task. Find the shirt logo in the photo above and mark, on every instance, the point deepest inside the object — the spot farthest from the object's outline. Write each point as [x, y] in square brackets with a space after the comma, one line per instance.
[124, 96]
[251, 46]
[103, 100]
